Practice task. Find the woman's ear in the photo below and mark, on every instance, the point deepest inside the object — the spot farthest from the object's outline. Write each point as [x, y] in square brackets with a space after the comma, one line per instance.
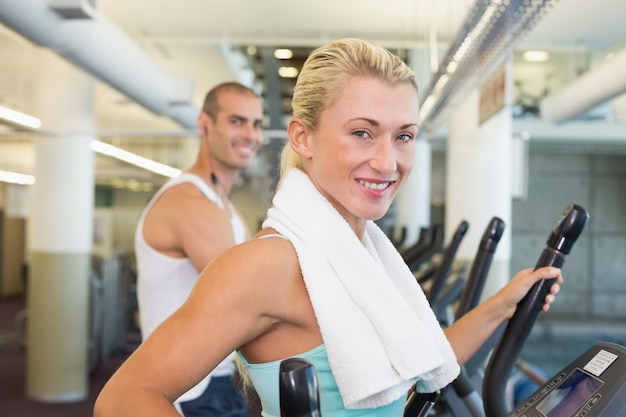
[299, 138]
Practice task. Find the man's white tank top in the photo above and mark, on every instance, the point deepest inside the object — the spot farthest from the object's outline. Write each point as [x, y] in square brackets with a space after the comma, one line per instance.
[164, 283]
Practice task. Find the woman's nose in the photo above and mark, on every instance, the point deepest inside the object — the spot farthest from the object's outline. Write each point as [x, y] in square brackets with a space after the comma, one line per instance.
[384, 159]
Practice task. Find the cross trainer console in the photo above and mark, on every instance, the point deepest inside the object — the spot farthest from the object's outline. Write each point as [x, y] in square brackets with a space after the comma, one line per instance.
[592, 385]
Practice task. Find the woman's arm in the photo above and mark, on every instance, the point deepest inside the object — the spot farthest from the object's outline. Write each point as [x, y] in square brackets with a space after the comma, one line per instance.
[232, 303]
[471, 331]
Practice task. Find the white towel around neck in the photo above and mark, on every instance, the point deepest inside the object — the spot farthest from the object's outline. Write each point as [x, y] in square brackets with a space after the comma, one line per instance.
[379, 331]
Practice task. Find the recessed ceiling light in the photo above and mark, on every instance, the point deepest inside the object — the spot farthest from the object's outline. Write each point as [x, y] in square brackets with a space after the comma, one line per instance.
[282, 53]
[288, 72]
[536, 56]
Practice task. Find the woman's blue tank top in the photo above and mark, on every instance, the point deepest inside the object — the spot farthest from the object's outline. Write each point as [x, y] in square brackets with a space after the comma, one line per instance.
[264, 377]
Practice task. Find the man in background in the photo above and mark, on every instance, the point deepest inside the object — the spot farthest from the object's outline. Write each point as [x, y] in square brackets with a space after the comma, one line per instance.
[189, 222]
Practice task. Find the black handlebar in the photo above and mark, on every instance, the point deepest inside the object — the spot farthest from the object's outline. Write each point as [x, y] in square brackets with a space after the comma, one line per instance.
[298, 389]
[559, 244]
[420, 404]
[480, 267]
[441, 274]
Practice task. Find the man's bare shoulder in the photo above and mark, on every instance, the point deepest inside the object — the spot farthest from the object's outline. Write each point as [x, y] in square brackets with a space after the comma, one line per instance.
[178, 221]
[183, 200]
[183, 194]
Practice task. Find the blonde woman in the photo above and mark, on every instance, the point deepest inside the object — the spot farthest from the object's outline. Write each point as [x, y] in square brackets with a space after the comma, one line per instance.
[321, 281]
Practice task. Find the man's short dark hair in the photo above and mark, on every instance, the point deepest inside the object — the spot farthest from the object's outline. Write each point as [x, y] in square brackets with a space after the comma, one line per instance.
[211, 102]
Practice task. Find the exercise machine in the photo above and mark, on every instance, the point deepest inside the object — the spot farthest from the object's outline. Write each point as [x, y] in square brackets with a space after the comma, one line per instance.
[564, 234]
[560, 241]
[440, 275]
[593, 385]
[462, 397]
[420, 253]
[424, 238]
[437, 278]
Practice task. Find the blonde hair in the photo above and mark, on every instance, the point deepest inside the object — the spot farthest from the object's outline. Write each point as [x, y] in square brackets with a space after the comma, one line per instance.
[245, 382]
[325, 71]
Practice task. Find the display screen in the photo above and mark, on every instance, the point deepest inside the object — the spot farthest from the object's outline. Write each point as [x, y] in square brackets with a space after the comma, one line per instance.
[573, 392]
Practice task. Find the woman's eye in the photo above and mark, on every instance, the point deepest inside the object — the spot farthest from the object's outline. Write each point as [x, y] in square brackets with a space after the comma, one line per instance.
[361, 134]
[405, 137]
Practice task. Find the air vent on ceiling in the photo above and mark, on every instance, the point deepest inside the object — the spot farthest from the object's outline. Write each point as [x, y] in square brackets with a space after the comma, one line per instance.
[74, 9]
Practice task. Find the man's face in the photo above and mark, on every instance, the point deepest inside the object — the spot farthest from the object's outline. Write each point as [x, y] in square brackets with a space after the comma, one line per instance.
[236, 135]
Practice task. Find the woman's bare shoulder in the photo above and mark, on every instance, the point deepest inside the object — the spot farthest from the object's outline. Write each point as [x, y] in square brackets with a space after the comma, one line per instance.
[267, 256]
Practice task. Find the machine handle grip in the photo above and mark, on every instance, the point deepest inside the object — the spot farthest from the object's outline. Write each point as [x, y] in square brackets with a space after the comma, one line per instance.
[492, 235]
[442, 272]
[559, 243]
[419, 404]
[480, 267]
[298, 389]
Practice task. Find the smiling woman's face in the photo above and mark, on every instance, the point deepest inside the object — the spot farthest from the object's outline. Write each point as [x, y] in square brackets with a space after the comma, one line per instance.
[362, 150]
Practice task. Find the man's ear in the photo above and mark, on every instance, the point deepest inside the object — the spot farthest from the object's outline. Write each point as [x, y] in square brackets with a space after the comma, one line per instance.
[203, 123]
[300, 138]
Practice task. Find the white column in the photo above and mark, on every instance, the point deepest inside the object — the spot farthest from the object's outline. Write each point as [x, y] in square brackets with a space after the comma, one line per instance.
[60, 236]
[414, 199]
[478, 183]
